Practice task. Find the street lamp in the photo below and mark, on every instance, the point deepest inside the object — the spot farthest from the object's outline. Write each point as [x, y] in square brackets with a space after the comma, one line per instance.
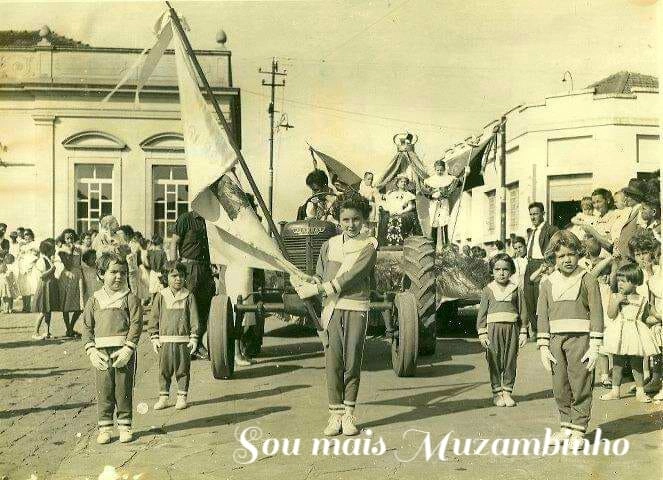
[570, 79]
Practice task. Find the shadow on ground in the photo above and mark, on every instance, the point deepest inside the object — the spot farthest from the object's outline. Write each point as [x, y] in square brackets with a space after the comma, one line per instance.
[19, 373]
[633, 425]
[251, 395]
[224, 419]
[440, 402]
[47, 408]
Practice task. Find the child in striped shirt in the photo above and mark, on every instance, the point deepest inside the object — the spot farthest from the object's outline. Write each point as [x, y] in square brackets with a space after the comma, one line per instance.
[501, 329]
[173, 331]
[112, 324]
[570, 333]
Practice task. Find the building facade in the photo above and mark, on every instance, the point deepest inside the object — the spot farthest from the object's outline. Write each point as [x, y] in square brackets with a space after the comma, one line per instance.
[559, 150]
[67, 159]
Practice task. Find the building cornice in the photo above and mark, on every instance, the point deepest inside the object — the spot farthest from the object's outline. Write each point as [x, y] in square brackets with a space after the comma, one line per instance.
[599, 122]
[104, 89]
[217, 53]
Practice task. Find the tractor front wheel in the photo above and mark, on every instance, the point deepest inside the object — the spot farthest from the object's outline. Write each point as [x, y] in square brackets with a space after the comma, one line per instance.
[405, 344]
[418, 263]
[220, 337]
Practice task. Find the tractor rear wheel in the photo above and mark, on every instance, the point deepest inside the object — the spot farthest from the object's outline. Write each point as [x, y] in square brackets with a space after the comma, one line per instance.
[404, 345]
[418, 263]
[220, 337]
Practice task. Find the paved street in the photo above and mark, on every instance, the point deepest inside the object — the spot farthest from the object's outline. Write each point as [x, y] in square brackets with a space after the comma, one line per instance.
[47, 416]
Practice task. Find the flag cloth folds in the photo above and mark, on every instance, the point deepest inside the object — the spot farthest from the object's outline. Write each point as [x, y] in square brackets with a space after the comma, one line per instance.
[146, 62]
[234, 231]
[475, 157]
[338, 172]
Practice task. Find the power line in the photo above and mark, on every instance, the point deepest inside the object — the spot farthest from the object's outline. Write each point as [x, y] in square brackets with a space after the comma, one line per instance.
[362, 114]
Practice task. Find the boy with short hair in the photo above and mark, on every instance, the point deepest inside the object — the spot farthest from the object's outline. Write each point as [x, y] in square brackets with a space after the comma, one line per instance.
[112, 324]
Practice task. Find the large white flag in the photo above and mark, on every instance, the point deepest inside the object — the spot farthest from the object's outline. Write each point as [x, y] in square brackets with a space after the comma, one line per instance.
[234, 231]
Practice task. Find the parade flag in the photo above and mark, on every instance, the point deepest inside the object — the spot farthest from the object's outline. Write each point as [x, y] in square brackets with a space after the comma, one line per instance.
[148, 58]
[339, 174]
[235, 233]
[475, 157]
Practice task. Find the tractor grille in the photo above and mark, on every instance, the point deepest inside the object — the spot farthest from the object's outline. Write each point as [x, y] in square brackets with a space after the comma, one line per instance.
[297, 251]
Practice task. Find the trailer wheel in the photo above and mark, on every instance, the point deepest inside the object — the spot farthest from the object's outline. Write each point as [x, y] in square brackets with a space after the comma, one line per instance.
[220, 338]
[418, 263]
[404, 345]
[252, 337]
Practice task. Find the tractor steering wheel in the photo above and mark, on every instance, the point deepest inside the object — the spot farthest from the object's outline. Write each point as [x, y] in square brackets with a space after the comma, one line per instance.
[322, 195]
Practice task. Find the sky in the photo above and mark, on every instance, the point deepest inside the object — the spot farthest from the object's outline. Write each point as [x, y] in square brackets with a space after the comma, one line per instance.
[361, 71]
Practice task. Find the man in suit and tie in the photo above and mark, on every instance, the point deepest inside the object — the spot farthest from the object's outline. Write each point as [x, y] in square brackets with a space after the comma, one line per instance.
[537, 244]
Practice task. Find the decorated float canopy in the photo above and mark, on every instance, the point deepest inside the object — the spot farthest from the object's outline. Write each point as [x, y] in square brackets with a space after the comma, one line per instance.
[405, 162]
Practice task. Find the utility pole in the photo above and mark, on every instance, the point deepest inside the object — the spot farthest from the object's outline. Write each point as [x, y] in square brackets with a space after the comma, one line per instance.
[503, 178]
[274, 72]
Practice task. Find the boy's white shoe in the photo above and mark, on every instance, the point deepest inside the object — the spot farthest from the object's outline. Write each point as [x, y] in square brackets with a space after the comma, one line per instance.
[126, 435]
[508, 400]
[561, 436]
[161, 403]
[642, 397]
[659, 396]
[349, 423]
[334, 425]
[498, 400]
[104, 436]
[613, 394]
[181, 402]
[576, 441]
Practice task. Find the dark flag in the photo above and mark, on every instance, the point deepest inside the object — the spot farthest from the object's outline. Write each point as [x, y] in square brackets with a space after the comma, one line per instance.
[475, 157]
[339, 174]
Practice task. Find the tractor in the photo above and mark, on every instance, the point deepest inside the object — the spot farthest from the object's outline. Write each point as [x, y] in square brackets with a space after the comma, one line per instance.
[407, 308]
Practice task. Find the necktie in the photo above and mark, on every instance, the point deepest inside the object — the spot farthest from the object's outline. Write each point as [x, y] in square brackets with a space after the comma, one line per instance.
[530, 248]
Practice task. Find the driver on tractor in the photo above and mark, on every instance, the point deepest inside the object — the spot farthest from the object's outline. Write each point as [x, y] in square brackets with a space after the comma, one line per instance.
[320, 205]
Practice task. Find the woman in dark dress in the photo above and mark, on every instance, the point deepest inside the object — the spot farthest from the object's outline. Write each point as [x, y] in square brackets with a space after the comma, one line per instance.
[70, 281]
[47, 296]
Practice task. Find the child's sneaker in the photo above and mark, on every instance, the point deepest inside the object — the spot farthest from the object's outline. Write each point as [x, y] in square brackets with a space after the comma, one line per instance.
[242, 361]
[181, 402]
[161, 403]
[334, 426]
[349, 424]
[561, 436]
[576, 441]
[642, 397]
[611, 395]
[508, 400]
[126, 435]
[498, 400]
[104, 436]
[659, 396]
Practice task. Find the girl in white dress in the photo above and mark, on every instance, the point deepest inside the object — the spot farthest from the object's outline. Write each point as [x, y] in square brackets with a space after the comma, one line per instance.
[28, 276]
[441, 187]
[628, 339]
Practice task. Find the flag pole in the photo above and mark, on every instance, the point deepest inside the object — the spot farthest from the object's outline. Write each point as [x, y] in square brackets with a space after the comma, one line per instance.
[226, 127]
[270, 221]
[460, 198]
